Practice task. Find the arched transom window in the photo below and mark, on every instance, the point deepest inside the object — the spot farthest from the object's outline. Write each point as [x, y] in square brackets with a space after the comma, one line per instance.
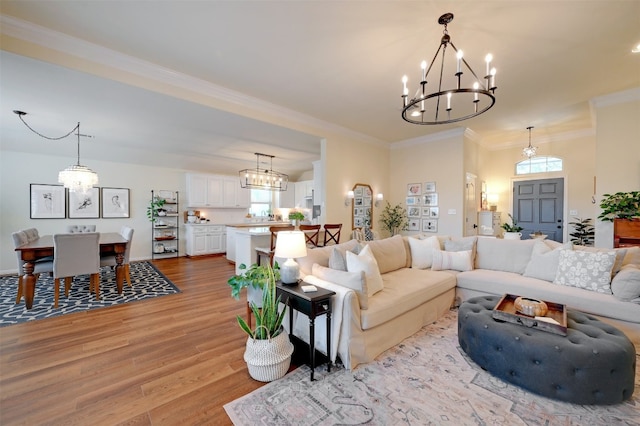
[539, 165]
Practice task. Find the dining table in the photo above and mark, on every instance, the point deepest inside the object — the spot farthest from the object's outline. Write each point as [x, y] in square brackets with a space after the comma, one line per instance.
[111, 243]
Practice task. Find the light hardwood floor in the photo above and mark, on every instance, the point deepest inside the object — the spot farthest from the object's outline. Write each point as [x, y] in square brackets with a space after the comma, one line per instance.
[167, 361]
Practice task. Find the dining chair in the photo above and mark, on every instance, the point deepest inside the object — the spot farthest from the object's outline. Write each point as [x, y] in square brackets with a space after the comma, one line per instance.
[269, 251]
[311, 235]
[332, 233]
[75, 229]
[76, 254]
[44, 265]
[110, 260]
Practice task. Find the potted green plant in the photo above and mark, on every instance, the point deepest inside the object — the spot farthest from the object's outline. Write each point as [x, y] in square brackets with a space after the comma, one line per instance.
[268, 350]
[254, 277]
[621, 205]
[583, 232]
[512, 231]
[155, 208]
[295, 217]
[394, 219]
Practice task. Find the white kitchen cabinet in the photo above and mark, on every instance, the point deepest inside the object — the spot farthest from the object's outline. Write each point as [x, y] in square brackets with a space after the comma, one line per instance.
[304, 192]
[205, 239]
[216, 191]
[231, 244]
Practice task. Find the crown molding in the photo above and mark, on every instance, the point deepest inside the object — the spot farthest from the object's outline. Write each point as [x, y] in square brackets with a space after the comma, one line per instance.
[45, 37]
[631, 95]
[423, 140]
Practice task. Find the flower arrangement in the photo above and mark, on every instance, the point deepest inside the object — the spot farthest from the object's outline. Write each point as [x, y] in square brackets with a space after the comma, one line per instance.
[394, 219]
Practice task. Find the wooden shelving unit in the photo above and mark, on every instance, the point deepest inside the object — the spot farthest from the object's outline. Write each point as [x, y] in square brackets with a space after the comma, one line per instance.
[165, 230]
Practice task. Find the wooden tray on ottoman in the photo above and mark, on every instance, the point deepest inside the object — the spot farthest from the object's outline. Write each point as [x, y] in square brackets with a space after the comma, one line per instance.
[506, 311]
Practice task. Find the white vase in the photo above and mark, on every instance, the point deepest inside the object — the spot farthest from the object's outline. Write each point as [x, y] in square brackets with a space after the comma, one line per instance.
[512, 235]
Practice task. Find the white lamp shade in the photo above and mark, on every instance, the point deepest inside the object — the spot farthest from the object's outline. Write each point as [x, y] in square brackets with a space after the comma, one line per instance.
[290, 245]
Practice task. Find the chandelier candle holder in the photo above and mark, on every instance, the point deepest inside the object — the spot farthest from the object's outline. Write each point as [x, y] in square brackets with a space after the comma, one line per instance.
[529, 151]
[461, 102]
[76, 178]
[263, 178]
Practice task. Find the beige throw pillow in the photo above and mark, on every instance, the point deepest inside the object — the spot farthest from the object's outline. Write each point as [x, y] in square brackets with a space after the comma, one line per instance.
[366, 262]
[389, 253]
[452, 260]
[356, 281]
[544, 261]
[422, 251]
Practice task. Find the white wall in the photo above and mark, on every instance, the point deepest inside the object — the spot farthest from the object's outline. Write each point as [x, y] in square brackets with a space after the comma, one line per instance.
[19, 170]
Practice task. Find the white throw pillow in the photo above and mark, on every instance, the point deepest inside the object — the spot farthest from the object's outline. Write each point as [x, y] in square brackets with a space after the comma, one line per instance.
[544, 261]
[453, 260]
[366, 262]
[585, 269]
[626, 284]
[422, 251]
[356, 281]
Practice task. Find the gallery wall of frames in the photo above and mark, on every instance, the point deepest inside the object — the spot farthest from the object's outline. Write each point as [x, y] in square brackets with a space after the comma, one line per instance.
[422, 207]
[56, 202]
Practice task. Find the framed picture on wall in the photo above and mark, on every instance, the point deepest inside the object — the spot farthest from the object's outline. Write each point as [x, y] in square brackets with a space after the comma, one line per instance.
[434, 212]
[84, 205]
[47, 201]
[115, 202]
[429, 225]
[413, 201]
[414, 224]
[430, 199]
[426, 212]
[414, 189]
[413, 211]
[429, 187]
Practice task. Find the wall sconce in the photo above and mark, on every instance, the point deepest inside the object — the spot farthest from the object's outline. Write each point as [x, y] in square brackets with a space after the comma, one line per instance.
[379, 198]
[348, 198]
[492, 199]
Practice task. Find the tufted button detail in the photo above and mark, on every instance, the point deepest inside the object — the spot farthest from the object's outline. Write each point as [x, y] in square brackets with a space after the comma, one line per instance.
[486, 326]
[595, 352]
[536, 361]
[517, 337]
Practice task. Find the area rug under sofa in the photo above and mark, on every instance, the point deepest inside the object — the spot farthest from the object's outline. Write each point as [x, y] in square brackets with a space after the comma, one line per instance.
[425, 380]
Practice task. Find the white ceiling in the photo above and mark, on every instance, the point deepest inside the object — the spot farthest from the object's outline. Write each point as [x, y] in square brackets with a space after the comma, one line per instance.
[340, 62]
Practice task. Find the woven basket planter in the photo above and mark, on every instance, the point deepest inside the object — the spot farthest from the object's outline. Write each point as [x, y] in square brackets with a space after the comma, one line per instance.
[268, 360]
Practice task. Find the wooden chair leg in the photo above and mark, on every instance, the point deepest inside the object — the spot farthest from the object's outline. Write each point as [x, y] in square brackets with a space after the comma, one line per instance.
[67, 285]
[95, 278]
[127, 274]
[56, 292]
[19, 295]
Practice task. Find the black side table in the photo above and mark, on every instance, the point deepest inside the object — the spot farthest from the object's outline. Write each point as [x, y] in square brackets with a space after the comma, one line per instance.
[311, 304]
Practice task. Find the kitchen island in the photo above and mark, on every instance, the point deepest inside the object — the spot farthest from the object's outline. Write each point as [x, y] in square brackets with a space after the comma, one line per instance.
[232, 238]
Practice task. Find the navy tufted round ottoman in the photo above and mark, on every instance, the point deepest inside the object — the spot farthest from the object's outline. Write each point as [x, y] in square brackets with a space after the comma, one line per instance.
[594, 364]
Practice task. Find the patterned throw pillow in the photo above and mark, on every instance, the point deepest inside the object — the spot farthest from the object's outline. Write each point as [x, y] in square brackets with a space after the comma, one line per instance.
[586, 270]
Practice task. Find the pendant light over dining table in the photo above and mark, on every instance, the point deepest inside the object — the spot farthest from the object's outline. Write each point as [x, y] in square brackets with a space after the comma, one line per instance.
[456, 94]
[262, 177]
[76, 177]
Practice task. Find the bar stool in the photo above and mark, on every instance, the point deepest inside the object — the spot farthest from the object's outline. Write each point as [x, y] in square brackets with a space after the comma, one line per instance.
[311, 237]
[332, 233]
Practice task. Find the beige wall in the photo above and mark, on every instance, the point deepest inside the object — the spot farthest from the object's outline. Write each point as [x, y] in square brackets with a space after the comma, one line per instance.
[439, 161]
[617, 151]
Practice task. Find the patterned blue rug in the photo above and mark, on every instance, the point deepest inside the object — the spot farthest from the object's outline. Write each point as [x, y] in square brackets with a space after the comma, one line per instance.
[147, 282]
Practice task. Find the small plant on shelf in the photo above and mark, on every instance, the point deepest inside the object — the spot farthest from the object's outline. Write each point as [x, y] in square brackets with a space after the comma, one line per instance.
[296, 215]
[513, 227]
[155, 207]
[584, 232]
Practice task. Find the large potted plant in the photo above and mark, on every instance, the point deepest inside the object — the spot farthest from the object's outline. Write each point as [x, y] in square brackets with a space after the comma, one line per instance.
[394, 219]
[253, 279]
[623, 209]
[583, 232]
[512, 231]
[268, 350]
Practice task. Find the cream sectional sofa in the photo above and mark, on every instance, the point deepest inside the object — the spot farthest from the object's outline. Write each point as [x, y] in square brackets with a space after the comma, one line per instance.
[420, 279]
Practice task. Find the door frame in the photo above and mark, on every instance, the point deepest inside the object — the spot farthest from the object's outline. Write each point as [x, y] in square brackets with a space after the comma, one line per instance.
[565, 201]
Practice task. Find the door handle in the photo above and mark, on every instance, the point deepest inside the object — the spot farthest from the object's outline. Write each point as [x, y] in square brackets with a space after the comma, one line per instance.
[475, 226]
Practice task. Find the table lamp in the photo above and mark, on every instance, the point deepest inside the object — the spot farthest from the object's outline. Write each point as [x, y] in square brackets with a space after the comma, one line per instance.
[290, 245]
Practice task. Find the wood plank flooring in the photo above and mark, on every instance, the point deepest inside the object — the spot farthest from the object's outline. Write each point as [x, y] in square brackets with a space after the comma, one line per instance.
[167, 361]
